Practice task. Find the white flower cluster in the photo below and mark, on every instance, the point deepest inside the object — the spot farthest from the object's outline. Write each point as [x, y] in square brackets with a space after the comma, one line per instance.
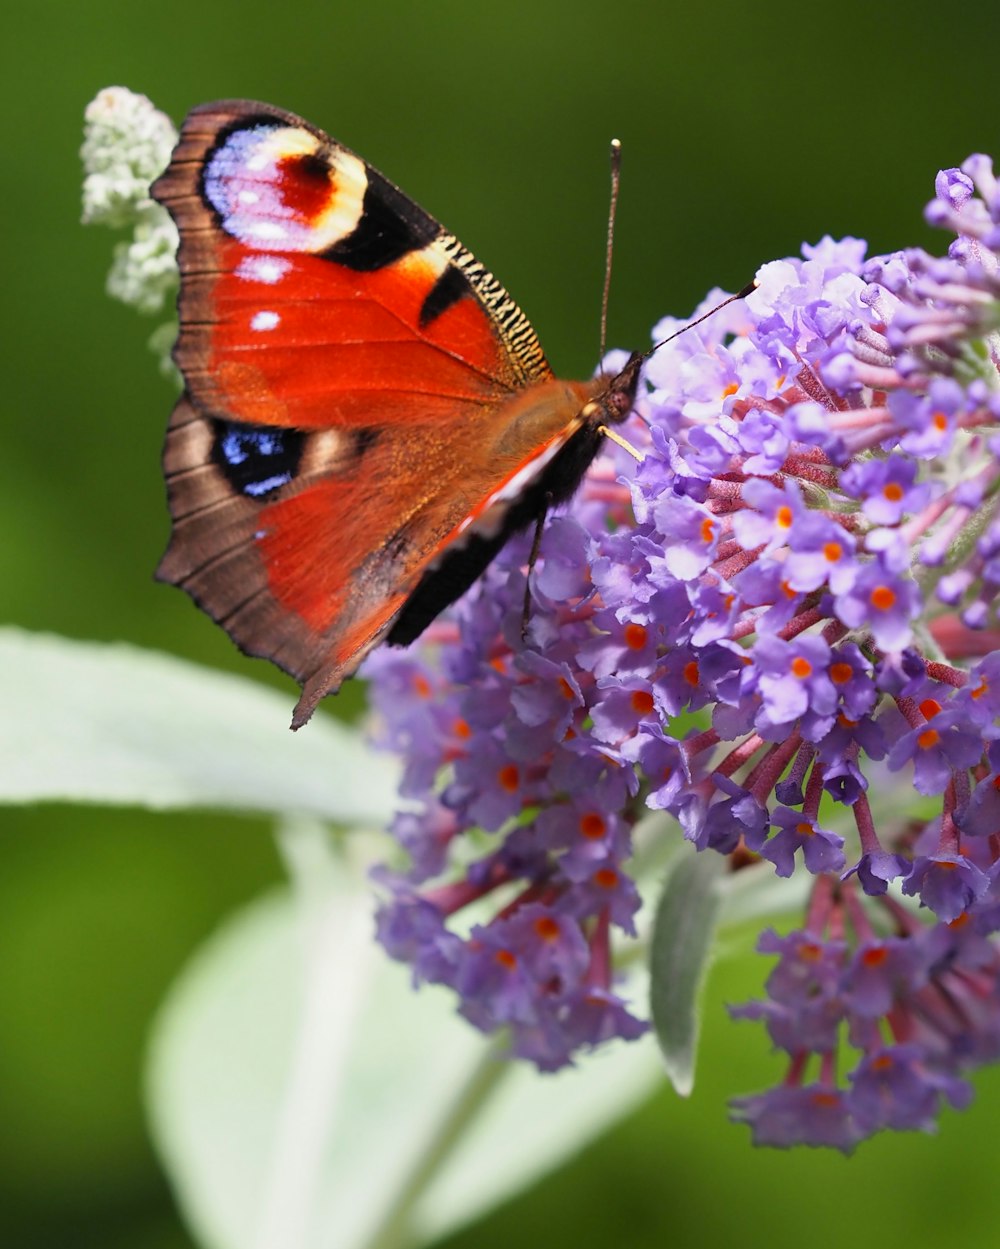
[127, 143]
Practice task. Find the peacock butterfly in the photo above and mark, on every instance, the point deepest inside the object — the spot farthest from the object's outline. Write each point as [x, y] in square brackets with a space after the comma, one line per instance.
[367, 415]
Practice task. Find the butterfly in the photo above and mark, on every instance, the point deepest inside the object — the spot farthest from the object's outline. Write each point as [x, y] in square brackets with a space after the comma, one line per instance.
[367, 415]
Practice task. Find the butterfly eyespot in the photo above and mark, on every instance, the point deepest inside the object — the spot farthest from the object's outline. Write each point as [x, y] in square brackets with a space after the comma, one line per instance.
[274, 189]
[256, 460]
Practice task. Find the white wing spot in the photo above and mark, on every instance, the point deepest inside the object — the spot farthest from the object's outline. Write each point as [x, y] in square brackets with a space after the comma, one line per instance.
[267, 269]
[264, 321]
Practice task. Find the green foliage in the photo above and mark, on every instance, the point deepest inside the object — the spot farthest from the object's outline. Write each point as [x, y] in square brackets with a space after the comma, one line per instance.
[745, 133]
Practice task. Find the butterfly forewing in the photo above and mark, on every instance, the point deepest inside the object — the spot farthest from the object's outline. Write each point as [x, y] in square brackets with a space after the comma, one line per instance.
[310, 282]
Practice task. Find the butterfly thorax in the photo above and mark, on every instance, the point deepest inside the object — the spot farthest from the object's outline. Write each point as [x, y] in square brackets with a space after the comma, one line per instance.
[552, 432]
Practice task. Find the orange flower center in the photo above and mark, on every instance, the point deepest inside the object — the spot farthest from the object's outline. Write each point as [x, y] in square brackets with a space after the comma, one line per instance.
[635, 636]
[882, 597]
[546, 928]
[592, 826]
[642, 702]
[509, 777]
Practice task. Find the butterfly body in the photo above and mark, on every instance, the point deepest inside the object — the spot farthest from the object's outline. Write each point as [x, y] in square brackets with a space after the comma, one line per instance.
[367, 415]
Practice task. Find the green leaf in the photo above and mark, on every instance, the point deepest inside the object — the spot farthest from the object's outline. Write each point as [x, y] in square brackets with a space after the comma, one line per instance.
[685, 924]
[756, 893]
[302, 1095]
[91, 722]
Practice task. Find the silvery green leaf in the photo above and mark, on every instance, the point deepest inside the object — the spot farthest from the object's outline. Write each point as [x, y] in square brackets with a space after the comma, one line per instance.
[304, 1097]
[109, 723]
[683, 932]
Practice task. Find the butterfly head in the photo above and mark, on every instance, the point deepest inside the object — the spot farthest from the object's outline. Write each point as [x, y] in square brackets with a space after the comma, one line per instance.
[620, 398]
[612, 405]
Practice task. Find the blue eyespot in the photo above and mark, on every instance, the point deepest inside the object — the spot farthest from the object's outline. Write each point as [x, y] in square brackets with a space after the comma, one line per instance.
[256, 459]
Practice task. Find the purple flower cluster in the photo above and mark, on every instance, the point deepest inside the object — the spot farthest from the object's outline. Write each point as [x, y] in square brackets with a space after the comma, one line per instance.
[784, 613]
[918, 1004]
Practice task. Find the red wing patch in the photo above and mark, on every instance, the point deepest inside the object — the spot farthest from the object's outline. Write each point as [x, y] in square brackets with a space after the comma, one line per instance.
[324, 346]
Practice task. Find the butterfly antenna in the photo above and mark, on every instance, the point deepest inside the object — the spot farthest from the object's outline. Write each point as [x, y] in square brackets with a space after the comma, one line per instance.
[627, 379]
[731, 299]
[616, 178]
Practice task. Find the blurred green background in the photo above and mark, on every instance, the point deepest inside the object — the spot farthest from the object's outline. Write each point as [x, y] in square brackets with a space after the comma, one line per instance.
[747, 129]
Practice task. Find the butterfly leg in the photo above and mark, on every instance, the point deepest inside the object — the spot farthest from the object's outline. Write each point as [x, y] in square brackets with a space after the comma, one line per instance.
[536, 544]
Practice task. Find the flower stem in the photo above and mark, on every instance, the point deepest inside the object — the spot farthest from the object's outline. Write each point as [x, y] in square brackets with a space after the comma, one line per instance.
[395, 1230]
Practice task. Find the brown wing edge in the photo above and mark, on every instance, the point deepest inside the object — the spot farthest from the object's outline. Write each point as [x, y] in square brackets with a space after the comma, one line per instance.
[330, 676]
[211, 556]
